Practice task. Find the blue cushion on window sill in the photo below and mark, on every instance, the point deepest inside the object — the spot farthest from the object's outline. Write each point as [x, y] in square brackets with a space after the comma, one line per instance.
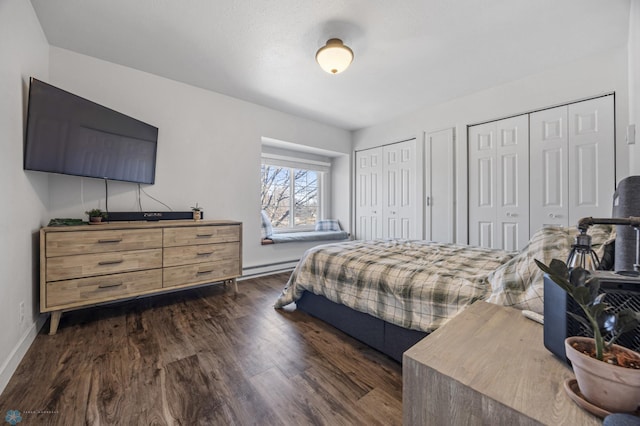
[328, 225]
[289, 237]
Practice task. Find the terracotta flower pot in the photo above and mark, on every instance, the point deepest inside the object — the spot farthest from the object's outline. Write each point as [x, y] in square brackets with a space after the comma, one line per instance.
[608, 386]
[95, 219]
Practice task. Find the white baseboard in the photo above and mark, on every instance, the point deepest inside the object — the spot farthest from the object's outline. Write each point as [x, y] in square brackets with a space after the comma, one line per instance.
[11, 364]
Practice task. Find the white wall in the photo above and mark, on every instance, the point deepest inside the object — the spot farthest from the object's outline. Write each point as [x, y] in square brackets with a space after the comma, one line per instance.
[634, 83]
[603, 73]
[209, 149]
[23, 53]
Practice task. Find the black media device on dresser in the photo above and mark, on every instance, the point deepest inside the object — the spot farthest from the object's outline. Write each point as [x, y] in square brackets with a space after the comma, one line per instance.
[623, 292]
[150, 216]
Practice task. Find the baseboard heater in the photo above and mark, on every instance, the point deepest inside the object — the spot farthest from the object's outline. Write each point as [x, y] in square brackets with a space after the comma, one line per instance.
[268, 268]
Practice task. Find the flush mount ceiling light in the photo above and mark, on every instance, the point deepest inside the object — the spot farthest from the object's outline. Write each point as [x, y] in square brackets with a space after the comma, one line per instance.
[334, 57]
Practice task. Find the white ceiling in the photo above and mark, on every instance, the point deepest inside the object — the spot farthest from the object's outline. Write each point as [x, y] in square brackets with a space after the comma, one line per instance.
[409, 54]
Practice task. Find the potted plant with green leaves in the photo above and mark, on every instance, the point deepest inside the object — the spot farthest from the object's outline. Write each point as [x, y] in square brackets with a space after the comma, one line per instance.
[197, 212]
[96, 215]
[608, 375]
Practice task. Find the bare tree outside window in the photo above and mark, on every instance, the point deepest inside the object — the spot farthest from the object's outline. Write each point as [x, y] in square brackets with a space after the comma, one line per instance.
[290, 196]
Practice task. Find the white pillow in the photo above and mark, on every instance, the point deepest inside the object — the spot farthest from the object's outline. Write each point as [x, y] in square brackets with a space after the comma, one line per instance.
[267, 229]
[519, 282]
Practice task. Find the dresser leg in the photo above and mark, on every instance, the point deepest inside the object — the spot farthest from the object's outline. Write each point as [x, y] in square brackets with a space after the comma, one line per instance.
[55, 320]
[235, 284]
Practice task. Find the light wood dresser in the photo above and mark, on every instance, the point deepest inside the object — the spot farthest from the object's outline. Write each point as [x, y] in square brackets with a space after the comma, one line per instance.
[82, 266]
[487, 366]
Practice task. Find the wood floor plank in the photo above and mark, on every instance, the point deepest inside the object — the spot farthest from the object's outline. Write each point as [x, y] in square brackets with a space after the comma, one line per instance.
[291, 405]
[190, 396]
[145, 372]
[382, 406]
[329, 404]
[203, 356]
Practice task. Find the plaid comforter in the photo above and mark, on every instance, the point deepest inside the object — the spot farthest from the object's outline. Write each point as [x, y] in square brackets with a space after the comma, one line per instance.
[414, 284]
[421, 285]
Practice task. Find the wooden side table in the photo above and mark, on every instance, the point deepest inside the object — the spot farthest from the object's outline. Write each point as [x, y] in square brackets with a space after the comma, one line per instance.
[487, 365]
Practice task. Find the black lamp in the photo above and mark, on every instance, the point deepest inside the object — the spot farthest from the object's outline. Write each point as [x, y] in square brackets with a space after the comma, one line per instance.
[583, 255]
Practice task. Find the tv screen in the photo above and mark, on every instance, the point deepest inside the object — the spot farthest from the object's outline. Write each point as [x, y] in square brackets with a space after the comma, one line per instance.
[71, 135]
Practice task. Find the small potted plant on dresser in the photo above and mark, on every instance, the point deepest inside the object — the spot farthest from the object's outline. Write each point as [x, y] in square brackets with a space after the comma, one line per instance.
[96, 216]
[197, 212]
[608, 375]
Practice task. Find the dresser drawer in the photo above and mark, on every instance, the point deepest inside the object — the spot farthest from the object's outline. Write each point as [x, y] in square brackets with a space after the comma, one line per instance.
[186, 255]
[88, 265]
[201, 273]
[67, 243]
[201, 235]
[88, 291]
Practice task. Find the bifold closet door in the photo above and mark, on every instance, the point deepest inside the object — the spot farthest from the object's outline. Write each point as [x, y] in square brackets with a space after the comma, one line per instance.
[499, 184]
[572, 162]
[591, 158]
[513, 182]
[369, 194]
[399, 191]
[549, 145]
[439, 160]
[482, 185]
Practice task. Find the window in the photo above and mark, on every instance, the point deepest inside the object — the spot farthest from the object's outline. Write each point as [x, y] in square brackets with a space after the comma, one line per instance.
[294, 188]
[291, 196]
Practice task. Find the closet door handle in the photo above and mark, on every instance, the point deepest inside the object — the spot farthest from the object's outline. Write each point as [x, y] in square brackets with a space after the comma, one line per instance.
[428, 201]
[509, 214]
[554, 216]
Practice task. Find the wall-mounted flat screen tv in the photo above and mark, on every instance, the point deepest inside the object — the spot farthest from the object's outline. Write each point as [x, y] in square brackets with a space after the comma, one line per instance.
[71, 135]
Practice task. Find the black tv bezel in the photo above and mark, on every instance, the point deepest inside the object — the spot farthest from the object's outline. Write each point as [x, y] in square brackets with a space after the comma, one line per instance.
[26, 138]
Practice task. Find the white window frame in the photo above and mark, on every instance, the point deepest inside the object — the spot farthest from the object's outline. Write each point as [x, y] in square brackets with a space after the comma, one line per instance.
[323, 169]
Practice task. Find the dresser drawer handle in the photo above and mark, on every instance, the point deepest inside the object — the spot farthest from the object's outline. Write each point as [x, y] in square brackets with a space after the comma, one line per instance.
[117, 240]
[205, 253]
[110, 285]
[205, 272]
[204, 235]
[110, 262]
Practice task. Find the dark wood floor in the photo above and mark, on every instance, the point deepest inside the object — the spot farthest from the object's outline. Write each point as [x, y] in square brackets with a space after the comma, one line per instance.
[204, 356]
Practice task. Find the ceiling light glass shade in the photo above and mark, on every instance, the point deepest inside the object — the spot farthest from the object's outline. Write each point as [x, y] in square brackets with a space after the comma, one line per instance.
[335, 57]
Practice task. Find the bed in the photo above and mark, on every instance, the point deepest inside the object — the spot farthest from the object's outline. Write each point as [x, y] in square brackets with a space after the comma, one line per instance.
[391, 293]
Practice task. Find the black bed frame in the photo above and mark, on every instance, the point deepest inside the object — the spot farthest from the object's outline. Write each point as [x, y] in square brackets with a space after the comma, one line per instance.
[385, 337]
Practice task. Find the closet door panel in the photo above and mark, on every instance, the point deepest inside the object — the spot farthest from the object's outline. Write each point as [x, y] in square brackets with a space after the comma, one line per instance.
[552, 169]
[485, 182]
[400, 193]
[369, 194]
[485, 234]
[548, 168]
[440, 177]
[512, 153]
[482, 185]
[510, 234]
[591, 158]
